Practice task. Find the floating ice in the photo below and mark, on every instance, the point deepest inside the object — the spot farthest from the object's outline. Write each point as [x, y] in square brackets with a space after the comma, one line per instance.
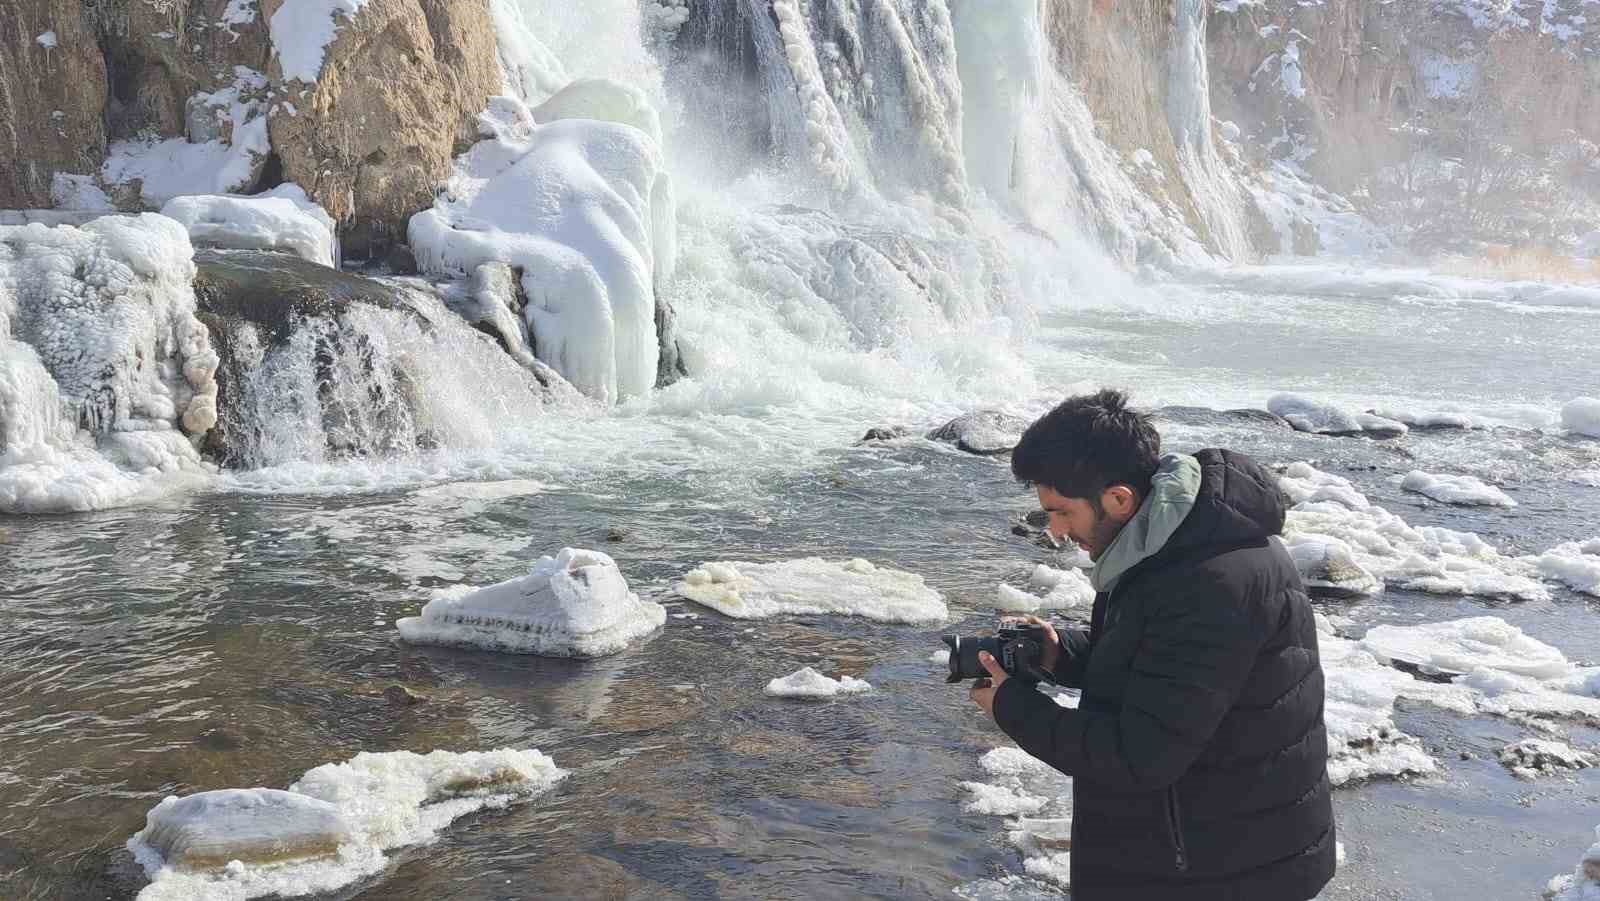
[1584, 883]
[1067, 589]
[1363, 740]
[1040, 797]
[1575, 563]
[1465, 645]
[283, 219]
[1308, 415]
[808, 683]
[329, 829]
[1582, 416]
[812, 585]
[1534, 757]
[1464, 490]
[575, 604]
[1327, 508]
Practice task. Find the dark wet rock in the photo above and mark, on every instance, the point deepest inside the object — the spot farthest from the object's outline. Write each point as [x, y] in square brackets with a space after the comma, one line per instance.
[983, 432]
[400, 696]
[1205, 416]
[884, 433]
[669, 362]
[220, 738]
[275, 291]
[1036, 518]
[617, 534]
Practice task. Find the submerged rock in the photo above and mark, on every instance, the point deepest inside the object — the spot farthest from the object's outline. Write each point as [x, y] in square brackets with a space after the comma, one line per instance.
[209, 830]
[884, 433]
[1205, 416]
[982, 432]
[575, 604]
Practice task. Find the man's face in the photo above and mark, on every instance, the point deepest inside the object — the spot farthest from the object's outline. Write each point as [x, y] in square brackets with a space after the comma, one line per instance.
[1075, 519]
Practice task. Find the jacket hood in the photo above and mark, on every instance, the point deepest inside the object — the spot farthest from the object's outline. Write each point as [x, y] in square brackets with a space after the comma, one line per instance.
[1173, 491]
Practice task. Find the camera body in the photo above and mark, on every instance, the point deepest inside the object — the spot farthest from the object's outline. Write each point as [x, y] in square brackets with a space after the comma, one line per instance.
[1017, 645]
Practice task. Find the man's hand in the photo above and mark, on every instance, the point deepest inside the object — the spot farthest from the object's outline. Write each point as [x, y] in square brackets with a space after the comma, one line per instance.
[1052, 643]
[983, 690]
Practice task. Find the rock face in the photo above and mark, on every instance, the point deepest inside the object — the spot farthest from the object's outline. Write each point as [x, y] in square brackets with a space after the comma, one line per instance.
[397, 96]
[52, 98]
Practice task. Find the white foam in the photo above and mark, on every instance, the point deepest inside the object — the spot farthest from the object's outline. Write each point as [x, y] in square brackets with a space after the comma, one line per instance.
[808, 683]
[1582, 416]
[283, 219]
[1448, 489]
[575, 604]
[1575, 563]
[1066, 589]
[365, 806]
[1534, 757]
[590, 251]
[812, 585]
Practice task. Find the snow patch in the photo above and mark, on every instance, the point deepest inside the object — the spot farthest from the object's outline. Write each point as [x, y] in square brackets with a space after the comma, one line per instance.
[1462, 646]
[1039, 798]
[283, 219]
[227, 145]
[46, 40]
[812, 585]
[301, 32]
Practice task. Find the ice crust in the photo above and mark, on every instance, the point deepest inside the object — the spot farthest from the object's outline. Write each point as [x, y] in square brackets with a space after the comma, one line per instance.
[808, 683]
[106, 375]
[283, 219]
[330, 828]
[1039, 799]
[575, 604]
[1363, 740]
[812, 585]
[1066, 589]
[1449, 489]
[585, 210]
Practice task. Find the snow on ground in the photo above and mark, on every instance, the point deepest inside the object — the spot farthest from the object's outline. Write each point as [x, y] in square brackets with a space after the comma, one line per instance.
[223, 154]
[1327, 510]
[1066, 589]
[302, 30]
[1582, 416]
[1576, 563]
[812, 585]
[808, 683]
[1039, 800]
[1535, 757]
[282, 219]
[1449, 489]
[1584, 882]
[575, 604]
[330, 828]
[105, 371]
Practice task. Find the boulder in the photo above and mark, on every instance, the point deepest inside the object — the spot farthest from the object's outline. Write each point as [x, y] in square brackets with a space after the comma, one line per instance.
[982, 432]
[396, 96]
[53, 93]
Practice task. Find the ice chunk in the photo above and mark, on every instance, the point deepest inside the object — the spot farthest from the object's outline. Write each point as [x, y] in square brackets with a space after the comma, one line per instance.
[584, 210]
[1575, 563]
[808, 683]
[1448, 489]
[575, 604]
[1040, 797]
[1582, 416]
[1533, 757]
[1461, 646]
[812, 585]
[46, 40]
[1363, 740]
[1067, 589]
[255, 826]
[283, 219]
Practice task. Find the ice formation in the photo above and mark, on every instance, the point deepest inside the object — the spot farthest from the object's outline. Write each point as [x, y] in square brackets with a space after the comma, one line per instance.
[1534, 757]
[1465, 645]
[106, 375]
[1308, 415]
[1576, 563]
[575, 604]
[1328, 511]
[224, 152]
[1363, 740]
[1582, 416]
[1039, 798]
[330, 828]
[584, 209]
[1448, 489]
[302, 30]
[1066, 589]
[282, 219]
[1584, 882]
[808, 683]
[812, 585]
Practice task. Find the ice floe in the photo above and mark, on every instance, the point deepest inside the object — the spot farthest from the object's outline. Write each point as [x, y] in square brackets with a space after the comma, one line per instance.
[808, 683]
[1584, 882]
[329, 829]
[1535, 757]
[1363, 740]
[1331, 513]
[1464, 645]
[1065, 589]
[575, 604]
[1575, 563]
[811, 585]
[1448, 489]
[1039, 799]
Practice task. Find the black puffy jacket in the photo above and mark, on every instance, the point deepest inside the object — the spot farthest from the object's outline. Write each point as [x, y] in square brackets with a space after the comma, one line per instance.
[1198, 752]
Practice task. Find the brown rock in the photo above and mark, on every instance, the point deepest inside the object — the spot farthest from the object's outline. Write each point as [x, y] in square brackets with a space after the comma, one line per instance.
[51, 99]
[399, 92]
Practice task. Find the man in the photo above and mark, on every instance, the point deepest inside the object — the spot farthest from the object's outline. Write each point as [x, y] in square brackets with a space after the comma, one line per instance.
[1197, 751]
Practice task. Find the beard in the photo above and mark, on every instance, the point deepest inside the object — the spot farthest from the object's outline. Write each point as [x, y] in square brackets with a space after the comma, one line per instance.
[1102, 533]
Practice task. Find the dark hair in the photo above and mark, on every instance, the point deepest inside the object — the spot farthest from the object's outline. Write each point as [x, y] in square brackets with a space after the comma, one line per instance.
[1087, 444]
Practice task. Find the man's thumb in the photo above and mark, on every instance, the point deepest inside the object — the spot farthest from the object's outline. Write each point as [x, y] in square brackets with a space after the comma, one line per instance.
[991, 664]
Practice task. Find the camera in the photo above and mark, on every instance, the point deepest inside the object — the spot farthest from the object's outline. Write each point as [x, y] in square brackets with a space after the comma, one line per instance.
[1018, 646]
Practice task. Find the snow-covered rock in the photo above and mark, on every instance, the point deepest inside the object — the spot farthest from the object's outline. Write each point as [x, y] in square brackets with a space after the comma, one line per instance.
[584, 209]
[282, 219]
[1307, 415]
[1329, 568]
[1533, 757]
[1066, 589]
[1448, 489]
[808, 683]
[575, 604]
[1582, 416]
[812, 585]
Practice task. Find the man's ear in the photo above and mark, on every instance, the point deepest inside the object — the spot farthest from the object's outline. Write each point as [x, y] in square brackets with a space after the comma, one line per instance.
[1120, 502]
